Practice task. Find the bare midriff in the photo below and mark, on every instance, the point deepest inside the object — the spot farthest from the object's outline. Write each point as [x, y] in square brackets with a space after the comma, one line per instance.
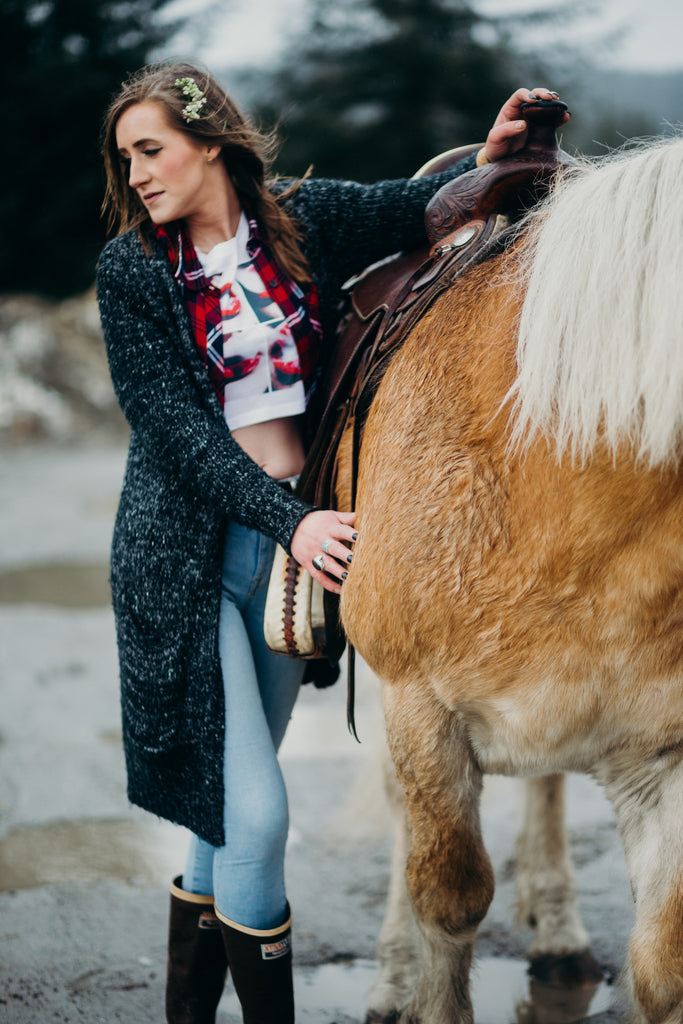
[275, 445]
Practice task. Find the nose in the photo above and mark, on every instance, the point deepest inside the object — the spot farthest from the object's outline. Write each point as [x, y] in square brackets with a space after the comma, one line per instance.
[137, 175]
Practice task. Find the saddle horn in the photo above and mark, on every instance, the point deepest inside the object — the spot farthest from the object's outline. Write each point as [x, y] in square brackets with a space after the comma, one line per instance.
[507, 186]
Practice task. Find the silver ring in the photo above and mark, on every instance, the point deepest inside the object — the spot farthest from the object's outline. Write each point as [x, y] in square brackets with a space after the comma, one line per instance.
[319, 563]
[326, 545]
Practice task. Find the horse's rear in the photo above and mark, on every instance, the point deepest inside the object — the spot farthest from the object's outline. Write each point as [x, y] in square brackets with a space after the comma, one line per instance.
[518, 584]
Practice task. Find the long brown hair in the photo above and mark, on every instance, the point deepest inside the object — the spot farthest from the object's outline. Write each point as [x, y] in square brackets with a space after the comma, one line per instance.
[246, 153]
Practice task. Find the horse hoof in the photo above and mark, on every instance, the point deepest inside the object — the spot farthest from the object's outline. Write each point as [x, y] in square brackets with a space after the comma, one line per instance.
[571, 970]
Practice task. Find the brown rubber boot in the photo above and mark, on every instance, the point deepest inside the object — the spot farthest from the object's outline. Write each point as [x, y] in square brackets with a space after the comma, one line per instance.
[197, 963]
[261, 970]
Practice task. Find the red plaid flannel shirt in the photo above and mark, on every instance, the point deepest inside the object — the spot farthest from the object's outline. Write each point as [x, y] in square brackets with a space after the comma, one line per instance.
[202, 301]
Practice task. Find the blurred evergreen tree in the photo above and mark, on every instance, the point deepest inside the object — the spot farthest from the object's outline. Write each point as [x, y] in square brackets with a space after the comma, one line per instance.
[374, 88]
[64, 59]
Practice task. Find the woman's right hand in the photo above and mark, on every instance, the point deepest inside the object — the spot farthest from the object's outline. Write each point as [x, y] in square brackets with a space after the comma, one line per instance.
[327, 535]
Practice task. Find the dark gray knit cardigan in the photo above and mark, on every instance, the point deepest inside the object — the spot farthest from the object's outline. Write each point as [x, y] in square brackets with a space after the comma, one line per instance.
[186, 477]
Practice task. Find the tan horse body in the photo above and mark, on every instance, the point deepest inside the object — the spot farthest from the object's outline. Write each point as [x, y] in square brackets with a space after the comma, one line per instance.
[523, 605]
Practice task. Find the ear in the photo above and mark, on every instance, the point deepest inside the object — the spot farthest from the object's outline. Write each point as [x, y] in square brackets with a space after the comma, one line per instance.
[212, 153]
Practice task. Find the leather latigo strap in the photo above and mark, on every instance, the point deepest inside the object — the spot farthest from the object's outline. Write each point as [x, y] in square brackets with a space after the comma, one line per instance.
[384, 302]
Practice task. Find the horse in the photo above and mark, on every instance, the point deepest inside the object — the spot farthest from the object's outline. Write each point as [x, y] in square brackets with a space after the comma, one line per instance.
[517, 581]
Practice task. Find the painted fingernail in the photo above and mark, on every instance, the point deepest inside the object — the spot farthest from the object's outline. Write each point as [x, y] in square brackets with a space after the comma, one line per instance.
[556, 95]
[355, 535]
[344, 575]
[349, 559]
[533, 96]
[520, 124]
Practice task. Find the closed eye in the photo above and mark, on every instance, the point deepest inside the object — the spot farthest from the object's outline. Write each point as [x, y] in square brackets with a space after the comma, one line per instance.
[150, 151]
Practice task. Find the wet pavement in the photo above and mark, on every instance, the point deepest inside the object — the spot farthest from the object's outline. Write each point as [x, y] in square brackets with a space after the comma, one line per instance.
[58, 585]
[84, 877]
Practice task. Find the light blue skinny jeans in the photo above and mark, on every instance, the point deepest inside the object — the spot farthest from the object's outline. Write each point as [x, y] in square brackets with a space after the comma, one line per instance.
[246, 876]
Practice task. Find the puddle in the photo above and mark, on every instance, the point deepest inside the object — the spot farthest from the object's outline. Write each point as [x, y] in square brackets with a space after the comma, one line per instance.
[329, 993]
[111, 737]
[89, 851]
[502, 993]
[62, 584]
[343, 985]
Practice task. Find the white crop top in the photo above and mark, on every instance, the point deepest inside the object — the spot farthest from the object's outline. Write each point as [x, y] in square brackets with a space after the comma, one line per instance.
[262, 371]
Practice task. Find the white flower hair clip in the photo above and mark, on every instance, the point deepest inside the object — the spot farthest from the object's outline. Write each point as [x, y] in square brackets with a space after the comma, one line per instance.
[189, 88]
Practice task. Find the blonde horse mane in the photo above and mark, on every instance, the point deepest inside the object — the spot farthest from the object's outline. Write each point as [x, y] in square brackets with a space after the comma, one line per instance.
[600, 347]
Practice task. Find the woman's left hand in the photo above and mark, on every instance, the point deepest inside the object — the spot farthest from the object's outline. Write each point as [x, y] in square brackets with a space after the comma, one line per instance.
[509, 131]
[325, 538]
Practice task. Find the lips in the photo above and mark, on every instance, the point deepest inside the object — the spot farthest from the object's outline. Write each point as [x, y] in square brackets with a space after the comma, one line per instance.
[239, 367]
[285, 373]
[151, 197]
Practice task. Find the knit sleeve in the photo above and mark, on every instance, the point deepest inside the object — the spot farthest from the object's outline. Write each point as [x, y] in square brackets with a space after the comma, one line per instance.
[355, 225]
[169, 413]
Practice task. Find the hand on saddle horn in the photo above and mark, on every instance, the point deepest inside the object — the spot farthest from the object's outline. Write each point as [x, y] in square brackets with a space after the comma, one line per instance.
[321, 543]
[509, 132]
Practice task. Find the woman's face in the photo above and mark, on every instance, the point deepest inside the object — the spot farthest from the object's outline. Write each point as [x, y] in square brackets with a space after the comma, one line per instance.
[168, 170]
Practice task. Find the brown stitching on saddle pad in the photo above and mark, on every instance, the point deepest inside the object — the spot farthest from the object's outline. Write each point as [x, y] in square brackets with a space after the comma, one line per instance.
[291, 580]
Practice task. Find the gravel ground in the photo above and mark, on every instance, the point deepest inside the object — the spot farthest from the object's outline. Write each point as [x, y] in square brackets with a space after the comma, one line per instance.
[84, 877]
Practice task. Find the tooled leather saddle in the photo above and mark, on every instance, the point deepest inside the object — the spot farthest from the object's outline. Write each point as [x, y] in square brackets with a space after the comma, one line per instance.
[463, 221]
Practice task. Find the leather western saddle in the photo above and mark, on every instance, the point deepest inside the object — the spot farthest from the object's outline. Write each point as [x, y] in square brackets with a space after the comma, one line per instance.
[462, 222]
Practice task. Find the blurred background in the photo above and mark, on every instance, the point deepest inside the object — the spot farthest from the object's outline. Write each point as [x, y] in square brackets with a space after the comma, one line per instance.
[360, 89]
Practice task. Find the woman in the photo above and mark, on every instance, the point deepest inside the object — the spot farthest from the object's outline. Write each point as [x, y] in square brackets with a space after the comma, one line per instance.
[218, 301]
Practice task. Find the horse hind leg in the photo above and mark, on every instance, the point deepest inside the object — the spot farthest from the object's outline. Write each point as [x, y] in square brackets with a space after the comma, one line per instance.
[397, 949]
[546, 890]
[449, 875]
[647, 795]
